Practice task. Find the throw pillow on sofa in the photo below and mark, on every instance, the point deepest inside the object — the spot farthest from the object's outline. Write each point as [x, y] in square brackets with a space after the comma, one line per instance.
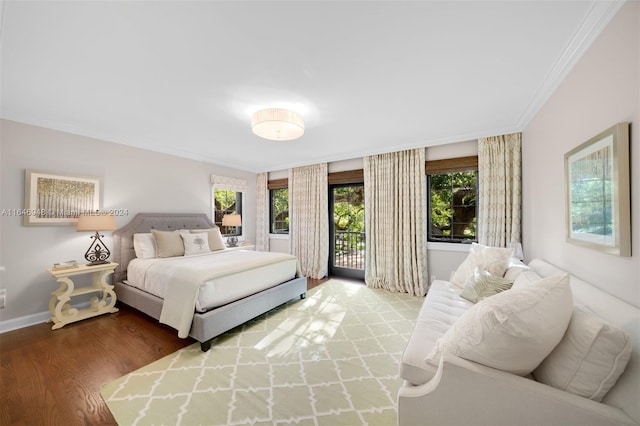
[589, 358]
[495, 260]
[513, 331]
[481, 284]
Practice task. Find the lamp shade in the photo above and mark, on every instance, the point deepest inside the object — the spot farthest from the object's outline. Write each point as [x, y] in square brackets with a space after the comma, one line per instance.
[277, 124]
[96, 222]
[231, 220]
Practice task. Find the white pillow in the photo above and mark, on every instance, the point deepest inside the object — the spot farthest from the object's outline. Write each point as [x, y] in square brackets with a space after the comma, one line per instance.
[494, 260]
[589, 358]
[144, 245]
[216, 242]
[195, 243]
[513, 331]
[525, 279]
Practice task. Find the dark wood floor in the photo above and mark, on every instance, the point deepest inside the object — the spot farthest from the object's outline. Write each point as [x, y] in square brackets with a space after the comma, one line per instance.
[54, 377]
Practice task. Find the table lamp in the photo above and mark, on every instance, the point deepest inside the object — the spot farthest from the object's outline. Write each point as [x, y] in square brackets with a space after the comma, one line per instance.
[232, 220]
[97, 253]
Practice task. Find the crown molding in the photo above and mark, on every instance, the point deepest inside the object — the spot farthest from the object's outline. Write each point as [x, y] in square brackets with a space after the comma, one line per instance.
[596, 19]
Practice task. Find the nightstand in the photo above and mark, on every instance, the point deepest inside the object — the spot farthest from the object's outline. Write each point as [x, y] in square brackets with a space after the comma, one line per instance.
[59, 306]
[242, 246]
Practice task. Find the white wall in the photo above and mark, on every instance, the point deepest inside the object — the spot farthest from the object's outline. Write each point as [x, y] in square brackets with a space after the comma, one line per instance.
[602, 90]
[134, 179]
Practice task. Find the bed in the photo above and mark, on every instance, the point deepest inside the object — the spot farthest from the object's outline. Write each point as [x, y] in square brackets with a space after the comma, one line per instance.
[208, 321]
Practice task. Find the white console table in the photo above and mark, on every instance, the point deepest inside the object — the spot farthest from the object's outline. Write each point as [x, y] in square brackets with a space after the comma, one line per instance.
[59, 306]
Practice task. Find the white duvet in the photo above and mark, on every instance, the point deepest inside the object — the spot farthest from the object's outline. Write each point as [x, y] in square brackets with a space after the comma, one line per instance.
[203, 282]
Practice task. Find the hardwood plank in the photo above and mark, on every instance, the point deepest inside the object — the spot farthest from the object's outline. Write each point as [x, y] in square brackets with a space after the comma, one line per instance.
[53, 377]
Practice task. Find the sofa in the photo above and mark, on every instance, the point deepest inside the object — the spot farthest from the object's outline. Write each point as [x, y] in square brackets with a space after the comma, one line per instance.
[445, 384]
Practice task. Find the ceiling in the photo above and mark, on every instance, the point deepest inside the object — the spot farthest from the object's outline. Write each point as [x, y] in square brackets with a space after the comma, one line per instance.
[369, 77]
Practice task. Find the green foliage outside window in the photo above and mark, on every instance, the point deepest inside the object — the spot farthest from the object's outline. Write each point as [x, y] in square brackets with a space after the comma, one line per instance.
[227, 202]
[279, 211]
[452, 202]
[348, 217]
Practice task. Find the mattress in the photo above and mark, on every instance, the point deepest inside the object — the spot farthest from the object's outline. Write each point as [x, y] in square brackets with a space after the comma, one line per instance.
[154, 275]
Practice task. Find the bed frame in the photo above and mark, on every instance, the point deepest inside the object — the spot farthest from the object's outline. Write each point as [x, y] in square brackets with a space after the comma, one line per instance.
[206, 325]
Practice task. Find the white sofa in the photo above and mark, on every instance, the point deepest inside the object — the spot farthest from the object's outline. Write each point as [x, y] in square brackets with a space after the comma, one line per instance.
[461, 392]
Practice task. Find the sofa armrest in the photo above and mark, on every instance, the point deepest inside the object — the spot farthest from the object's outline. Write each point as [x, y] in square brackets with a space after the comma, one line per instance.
[466, 393]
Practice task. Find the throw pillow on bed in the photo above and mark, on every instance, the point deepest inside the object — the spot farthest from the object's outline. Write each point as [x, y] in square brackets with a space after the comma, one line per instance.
[481, 284]
[216, 242]
[589, 358]
[513, 331]
[195, 243]
[144, 245]
[168, 243]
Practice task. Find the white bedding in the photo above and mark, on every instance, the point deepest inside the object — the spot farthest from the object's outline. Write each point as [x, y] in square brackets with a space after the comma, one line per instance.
[154, 275]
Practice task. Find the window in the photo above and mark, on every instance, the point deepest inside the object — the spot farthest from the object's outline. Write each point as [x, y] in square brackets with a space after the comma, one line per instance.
[279, 211]
[452, 202]
[226, 202]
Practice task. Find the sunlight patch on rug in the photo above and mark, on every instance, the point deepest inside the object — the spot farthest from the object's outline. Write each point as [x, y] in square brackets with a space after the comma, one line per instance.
[330, 359]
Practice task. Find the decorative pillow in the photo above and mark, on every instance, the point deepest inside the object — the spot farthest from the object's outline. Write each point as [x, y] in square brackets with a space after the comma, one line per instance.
[589, 358]
[195, 243]
[481, 284]
[144, 245]
[495, 260]
[525, 279]
[513, 331]
[216, 242]
[168, 243]
[516, 267]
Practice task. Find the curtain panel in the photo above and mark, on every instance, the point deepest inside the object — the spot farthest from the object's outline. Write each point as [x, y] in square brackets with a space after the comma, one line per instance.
[309, 219]
[499, 187]
[262, 212]
[395, 222]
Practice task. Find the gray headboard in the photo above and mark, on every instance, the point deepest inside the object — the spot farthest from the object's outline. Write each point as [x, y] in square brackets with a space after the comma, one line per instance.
[144, 222]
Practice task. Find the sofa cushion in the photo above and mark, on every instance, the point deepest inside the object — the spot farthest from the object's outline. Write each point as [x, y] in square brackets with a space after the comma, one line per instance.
[495, 260]
[441, 309]
[513, 331]
[589, 358]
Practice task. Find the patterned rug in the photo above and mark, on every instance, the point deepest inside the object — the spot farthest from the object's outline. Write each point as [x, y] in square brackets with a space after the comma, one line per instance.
[330, 359]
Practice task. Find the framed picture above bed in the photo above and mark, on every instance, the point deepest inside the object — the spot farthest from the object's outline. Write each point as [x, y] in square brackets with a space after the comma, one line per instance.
[58, 199]
[598, 200]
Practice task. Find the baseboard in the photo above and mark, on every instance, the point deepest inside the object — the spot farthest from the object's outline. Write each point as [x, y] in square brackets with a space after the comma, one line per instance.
[29, 320]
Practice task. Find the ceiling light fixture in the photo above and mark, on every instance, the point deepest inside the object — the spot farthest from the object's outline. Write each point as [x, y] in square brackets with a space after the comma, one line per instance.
[277, 124]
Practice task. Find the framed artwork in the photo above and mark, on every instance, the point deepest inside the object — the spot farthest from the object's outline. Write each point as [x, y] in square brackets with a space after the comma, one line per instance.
[56, 199]
[598, 198]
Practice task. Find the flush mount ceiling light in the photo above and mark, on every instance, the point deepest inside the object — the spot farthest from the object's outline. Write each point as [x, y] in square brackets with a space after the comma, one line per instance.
[277, 124]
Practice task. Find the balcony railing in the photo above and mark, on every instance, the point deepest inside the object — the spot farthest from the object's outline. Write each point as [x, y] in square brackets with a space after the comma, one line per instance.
[349, 249]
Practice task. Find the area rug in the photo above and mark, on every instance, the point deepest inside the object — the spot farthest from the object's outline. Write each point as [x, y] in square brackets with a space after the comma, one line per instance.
[330, 359]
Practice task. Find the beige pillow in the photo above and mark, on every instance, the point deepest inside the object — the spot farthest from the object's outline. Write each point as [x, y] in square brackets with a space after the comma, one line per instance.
[495, 260]
[195, 243]
[481, 284]
[589, 358]
[216, 242]
[168, 243]
[513, 331]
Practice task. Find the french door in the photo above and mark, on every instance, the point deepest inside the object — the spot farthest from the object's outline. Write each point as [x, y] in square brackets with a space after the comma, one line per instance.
[346, 230]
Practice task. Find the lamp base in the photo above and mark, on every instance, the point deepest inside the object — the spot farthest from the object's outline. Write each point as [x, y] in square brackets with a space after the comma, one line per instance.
[97, 253]
[232, 241]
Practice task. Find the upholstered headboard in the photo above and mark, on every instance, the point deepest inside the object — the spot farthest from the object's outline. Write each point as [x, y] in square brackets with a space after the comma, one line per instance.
[144, 222]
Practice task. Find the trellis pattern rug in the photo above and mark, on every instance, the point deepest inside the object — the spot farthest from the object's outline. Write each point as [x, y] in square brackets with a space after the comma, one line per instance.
[329, 359]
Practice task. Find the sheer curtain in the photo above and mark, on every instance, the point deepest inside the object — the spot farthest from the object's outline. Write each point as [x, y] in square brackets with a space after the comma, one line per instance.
[309, 218]
[395, 206]
[262, 212]
[500, 171]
